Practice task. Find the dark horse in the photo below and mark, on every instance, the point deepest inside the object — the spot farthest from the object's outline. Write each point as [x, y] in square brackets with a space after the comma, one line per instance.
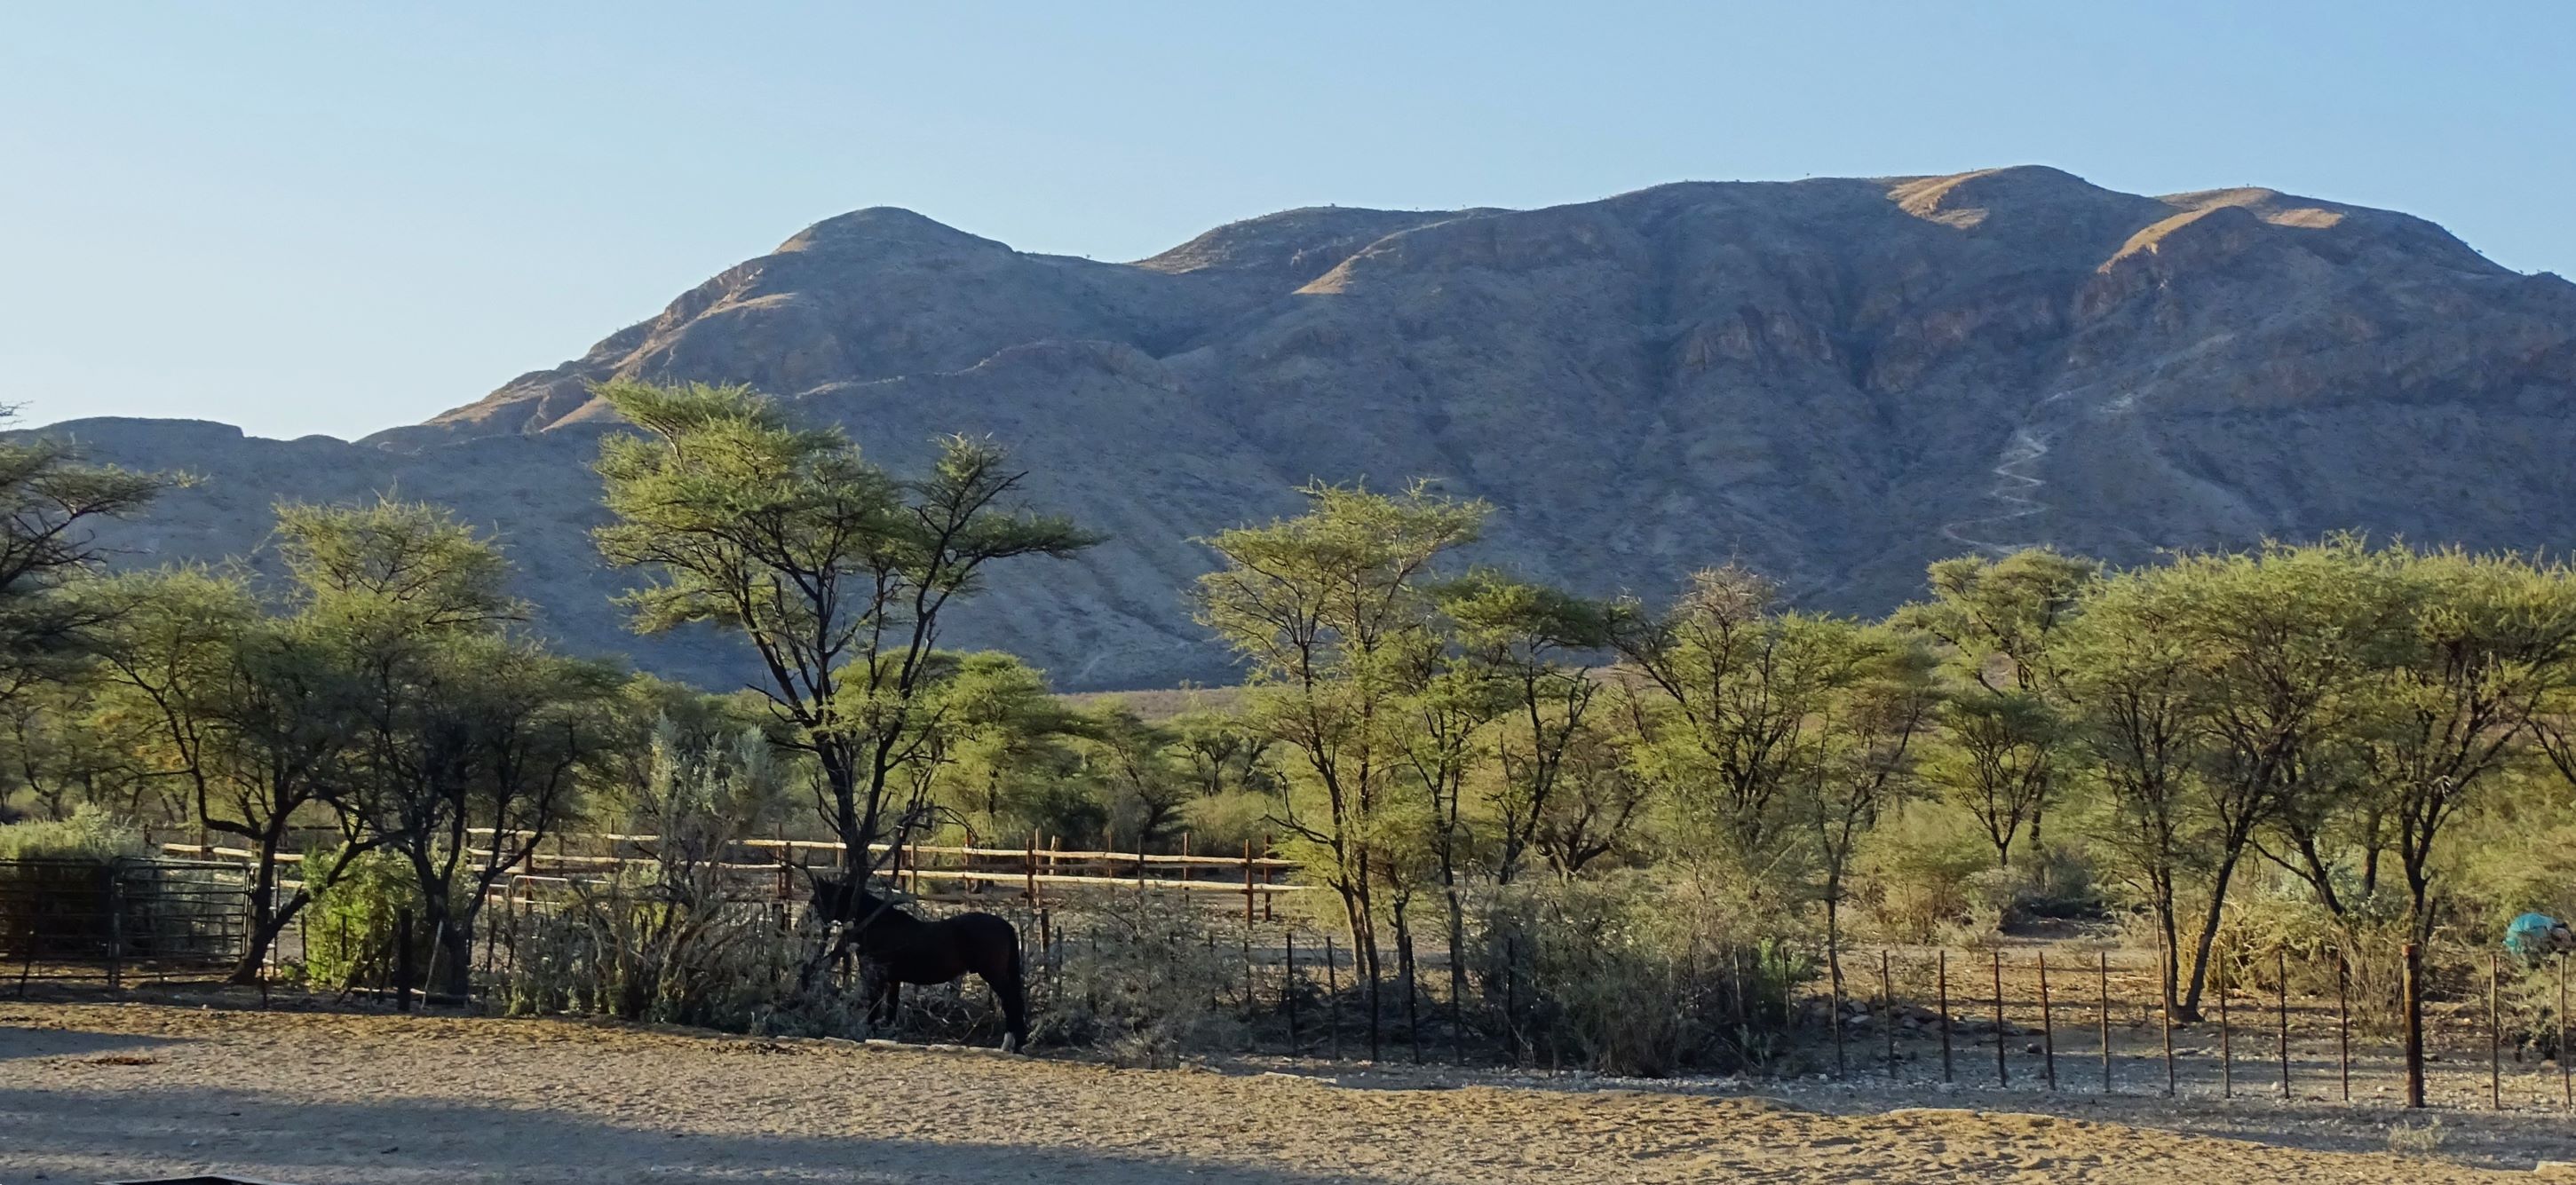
[896, 948]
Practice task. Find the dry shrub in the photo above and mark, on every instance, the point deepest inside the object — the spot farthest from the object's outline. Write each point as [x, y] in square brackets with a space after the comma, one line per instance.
[1918, 879]
[638, 950]
[2417, 1139]
[666, 942]
[1638, 974]
[1142, 986]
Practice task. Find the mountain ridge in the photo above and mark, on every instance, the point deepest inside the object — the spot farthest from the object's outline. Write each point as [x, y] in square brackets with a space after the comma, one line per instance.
[1835, 379]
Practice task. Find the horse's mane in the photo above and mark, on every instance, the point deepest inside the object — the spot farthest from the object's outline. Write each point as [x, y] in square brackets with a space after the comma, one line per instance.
[845, 901]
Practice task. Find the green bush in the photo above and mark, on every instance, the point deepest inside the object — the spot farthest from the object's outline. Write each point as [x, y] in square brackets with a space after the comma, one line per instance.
[1224, 822]
[351, 924]
[90, 834]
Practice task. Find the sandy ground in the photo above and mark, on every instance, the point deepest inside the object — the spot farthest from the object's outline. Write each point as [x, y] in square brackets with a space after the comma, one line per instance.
[99, 1091]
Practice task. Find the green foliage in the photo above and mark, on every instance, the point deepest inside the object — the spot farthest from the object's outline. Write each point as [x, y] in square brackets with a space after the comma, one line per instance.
[835, 571]
[90, 834]
[350, 927]
[51, 502]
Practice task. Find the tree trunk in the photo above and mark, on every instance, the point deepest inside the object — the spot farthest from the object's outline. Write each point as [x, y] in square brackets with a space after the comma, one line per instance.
[2190, 1010]
[1457, 975]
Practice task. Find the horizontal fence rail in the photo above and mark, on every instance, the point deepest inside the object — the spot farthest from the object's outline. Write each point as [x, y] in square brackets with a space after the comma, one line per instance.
[932, 871]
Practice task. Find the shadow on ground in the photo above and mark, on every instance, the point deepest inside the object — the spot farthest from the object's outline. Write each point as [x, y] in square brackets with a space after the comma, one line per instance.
[59, 1135]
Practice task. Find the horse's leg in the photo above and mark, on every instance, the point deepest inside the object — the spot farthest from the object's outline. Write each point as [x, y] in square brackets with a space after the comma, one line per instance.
[1009, 987]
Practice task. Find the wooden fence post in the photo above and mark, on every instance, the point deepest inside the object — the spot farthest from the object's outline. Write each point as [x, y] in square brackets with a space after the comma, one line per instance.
[2003, 1074]
[1288, 996]
[2047, 1023]
[2566, 1084]
[1834, 980]
[2103, 965]
[1887, 1008]
[1268, 845]
[2495, 1039]
[1032, 864]
[2414, 1035]
[1941, 976]
[2226, 1049]
[2164, 987]
[402, 960]
[1333, 994]
[1247, 886]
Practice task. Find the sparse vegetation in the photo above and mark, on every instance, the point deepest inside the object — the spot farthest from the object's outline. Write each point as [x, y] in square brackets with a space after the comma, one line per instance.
[1620, 832]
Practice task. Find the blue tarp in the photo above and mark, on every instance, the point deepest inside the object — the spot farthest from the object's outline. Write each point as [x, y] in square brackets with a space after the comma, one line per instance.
[2529, 935]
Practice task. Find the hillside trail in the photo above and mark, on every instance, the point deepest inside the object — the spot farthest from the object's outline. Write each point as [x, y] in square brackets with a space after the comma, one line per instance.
[2012, 491]
[2015, 489]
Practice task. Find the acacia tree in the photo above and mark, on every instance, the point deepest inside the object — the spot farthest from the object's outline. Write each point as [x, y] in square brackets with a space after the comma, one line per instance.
[1537, 647]
[836, 572]
[1223, 753]
[1132, 760]
[2001, 621]
[2130, 687]
[1319, 608]
[1882, 704]
[1597, 802]
[1723, 694]
[2280, 641]
[458, 726]
[2487, 651]
[247, 711]
[51, 504]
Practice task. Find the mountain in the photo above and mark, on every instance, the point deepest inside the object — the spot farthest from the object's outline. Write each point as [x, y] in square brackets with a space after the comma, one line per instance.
[1836, 381]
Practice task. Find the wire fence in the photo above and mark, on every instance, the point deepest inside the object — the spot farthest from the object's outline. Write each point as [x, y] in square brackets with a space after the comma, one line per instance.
[2064, 1019]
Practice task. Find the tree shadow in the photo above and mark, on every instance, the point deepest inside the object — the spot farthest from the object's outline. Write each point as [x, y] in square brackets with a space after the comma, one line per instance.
[20, 1042]
[161, 1132]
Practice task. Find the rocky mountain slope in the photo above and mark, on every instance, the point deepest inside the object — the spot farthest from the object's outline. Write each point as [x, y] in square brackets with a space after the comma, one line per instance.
[1834, 380]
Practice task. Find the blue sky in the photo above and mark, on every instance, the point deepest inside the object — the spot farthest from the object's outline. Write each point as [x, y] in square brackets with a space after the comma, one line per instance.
[337, 218]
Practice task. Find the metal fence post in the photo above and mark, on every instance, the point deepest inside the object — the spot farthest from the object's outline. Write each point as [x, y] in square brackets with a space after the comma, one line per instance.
[2047, 1024]
[1834, 1017]
[1288, 996]
[2281, 967]
[115, 925]
[2343, 1023]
